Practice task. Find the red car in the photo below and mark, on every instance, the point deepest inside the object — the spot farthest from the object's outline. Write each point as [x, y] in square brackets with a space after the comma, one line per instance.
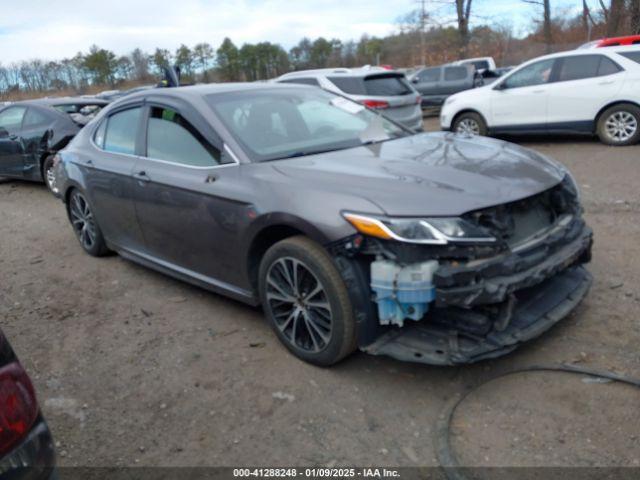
[613, 42]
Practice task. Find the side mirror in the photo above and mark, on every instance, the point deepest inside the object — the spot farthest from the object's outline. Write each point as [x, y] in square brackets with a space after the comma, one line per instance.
[414, 80]
[501, 86]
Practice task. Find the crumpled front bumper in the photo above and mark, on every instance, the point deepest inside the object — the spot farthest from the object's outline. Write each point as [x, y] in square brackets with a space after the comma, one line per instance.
[536, 310]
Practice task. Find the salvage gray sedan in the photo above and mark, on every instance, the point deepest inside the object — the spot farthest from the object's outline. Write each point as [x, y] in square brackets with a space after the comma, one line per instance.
[349, 230]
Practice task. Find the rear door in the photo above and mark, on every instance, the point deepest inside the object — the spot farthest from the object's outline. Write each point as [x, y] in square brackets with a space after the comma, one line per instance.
[11, 146]
[185, 197]
[581, 86]
[110, 176]
[520, 101]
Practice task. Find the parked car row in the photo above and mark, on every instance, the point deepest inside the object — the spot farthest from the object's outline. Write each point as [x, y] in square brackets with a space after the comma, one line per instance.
[582, 91]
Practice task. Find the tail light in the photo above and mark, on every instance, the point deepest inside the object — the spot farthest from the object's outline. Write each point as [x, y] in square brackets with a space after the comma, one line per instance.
[18, 404]
[376, 104]
[418, 99]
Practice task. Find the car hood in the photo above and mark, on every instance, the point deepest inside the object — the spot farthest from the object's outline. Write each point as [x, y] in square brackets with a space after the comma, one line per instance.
[437, 174]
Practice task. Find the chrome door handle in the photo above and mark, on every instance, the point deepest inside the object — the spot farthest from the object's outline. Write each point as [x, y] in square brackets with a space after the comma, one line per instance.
[607, 82]
[539, 91]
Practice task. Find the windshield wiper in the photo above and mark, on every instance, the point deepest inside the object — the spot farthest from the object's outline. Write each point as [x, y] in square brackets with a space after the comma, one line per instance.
[304, 153]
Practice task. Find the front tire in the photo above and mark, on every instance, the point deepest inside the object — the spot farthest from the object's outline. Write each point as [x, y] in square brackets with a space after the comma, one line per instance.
[85, 226]
[620, 125]
[306, 301]
[470, 123]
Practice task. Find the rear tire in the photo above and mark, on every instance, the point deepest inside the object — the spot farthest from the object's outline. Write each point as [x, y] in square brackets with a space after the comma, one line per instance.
[306, 301]
[85, 226]
[48, 175]
[470, 123]
[619, 125]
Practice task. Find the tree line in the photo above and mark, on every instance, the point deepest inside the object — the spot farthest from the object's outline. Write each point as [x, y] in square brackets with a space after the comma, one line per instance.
[426, 35]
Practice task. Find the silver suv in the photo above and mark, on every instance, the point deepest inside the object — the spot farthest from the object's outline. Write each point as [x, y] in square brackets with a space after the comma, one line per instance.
[374, 87]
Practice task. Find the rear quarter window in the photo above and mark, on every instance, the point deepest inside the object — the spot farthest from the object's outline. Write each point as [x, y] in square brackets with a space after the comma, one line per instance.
[350, 85]
[386, 86]
[122, 130]
[635, 56]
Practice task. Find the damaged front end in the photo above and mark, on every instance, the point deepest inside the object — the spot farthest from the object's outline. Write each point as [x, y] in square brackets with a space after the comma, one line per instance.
[466, 300]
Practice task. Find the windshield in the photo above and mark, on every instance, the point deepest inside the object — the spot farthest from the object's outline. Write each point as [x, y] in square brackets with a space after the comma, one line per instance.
[283, 123]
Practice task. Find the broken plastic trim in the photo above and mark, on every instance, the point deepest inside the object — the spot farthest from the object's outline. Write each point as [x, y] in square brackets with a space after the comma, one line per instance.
[535, 310]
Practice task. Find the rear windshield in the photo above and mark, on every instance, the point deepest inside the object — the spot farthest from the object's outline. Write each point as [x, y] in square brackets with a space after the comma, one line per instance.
[374, 85]
[635, 56]
[385, 86]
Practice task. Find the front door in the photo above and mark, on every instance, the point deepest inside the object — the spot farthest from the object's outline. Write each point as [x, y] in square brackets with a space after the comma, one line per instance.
[11, 146]
[520, 101]
[111, 180]
[185, 199]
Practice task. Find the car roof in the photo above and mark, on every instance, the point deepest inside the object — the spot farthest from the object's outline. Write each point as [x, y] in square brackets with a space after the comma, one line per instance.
[347, 72]
[58, 101]
[192, 92]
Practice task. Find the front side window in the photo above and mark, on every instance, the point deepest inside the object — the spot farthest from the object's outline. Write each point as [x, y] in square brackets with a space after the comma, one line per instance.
[274, 124]
[122, 131]
[11, 119]
[34, 118]
[452, 74]
[429, 75]
[171, 138]
[535, 74]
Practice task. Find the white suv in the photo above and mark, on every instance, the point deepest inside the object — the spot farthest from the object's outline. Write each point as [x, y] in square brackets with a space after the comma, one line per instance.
[581, 91]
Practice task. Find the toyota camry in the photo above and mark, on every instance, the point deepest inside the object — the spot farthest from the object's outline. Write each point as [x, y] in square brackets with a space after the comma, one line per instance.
[350, 230]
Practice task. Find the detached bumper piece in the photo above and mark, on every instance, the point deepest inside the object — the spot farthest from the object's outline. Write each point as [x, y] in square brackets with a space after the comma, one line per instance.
[439, 340]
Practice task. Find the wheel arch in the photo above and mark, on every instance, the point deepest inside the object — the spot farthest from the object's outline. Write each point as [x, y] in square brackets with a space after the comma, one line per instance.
[609, 105]
[268, 231]
[468, 110]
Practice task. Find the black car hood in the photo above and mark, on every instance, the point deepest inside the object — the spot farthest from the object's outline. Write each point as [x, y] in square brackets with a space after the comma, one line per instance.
[438, 174]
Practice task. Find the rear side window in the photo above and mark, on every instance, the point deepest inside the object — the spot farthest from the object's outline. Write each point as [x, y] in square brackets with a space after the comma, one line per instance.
[635, 56]
[122, 130]
[607, 67]
[11, 119]
[480, 65]
[350, 85]
[585, 66]
[455, 73]
[387, 85]
[171, 138]
[429, 75]
[35, 118]
[302, 81]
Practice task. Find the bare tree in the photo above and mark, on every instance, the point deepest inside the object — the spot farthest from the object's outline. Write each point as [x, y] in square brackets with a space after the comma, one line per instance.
[546, 20]
[587, 19]
[634, 11]
[463, 12]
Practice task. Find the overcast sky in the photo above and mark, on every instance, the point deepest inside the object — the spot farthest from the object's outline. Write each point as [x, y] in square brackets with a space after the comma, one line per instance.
[53, 29]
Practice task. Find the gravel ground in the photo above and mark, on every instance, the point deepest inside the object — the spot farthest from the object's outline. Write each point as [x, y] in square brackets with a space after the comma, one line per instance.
[134, 368]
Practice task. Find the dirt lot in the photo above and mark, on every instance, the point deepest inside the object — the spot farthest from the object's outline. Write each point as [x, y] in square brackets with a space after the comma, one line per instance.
[133, 368]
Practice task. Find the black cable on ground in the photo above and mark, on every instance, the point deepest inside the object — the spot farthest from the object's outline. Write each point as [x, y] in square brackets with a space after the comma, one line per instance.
[445, 454]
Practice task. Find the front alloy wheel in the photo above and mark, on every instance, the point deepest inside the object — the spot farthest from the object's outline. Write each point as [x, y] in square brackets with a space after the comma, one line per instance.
[299, 305]
[306, 301]
[84, 225]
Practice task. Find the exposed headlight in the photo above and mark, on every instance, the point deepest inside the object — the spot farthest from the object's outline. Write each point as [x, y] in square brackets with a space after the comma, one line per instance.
[431, 231]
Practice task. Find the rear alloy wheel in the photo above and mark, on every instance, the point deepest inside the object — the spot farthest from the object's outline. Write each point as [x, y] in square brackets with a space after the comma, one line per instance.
[470, 123]
[84, 225]
[620, 125]
[306, 301]
[49, 176]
